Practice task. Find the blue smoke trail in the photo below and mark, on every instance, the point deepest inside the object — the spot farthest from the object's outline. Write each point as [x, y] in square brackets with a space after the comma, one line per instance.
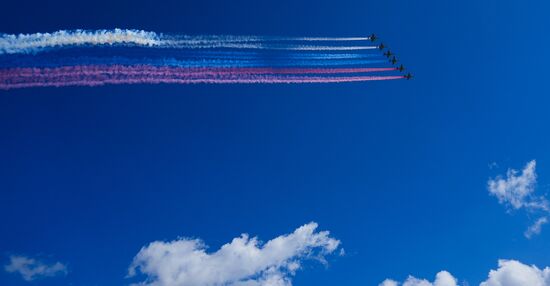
[189, 54]
[73, 61]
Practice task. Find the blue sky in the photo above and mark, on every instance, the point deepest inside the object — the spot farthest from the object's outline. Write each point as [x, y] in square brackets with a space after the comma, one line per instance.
[397, 171]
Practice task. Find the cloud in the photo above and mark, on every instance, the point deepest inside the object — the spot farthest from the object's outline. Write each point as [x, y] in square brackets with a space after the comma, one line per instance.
[515, 273]
[31, 269]
[536, 227]
[516, 191]
[509, 273]
[442, 278]
[244, 261]
[389, 282]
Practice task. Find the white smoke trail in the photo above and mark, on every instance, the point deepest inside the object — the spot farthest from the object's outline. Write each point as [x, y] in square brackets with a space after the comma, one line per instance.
[328, 39]
[32, 43]
[263, 46]
[29, 43]
[243, 38]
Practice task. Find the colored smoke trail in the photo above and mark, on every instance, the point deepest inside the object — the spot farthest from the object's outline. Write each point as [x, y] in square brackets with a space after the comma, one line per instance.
[100, 75]
[221, 62]
[14, 73]
[98, 81]
[145, 52]
[91, 58]
[72, 58]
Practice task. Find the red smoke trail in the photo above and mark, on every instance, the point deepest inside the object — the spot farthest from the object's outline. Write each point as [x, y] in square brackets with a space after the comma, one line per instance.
[147, 69]
[116, 74]
[264, 80]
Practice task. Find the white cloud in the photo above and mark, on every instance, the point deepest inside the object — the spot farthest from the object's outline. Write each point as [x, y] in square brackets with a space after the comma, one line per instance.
[516, 191]
[442, 278]
[413, 281]
[492, 165]
[515, 273]
[536, 227]
[509, 273]
[31, 269]
[244, 261]
[389, 282]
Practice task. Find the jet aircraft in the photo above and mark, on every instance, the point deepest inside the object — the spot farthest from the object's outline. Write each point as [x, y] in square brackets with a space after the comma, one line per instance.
[373, 37]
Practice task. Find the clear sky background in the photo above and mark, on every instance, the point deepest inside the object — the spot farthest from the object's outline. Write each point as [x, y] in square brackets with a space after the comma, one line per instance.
[396, 170]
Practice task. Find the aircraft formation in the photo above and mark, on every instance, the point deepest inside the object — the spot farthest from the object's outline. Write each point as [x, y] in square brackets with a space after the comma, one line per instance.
[105, 57]
[391, 56]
